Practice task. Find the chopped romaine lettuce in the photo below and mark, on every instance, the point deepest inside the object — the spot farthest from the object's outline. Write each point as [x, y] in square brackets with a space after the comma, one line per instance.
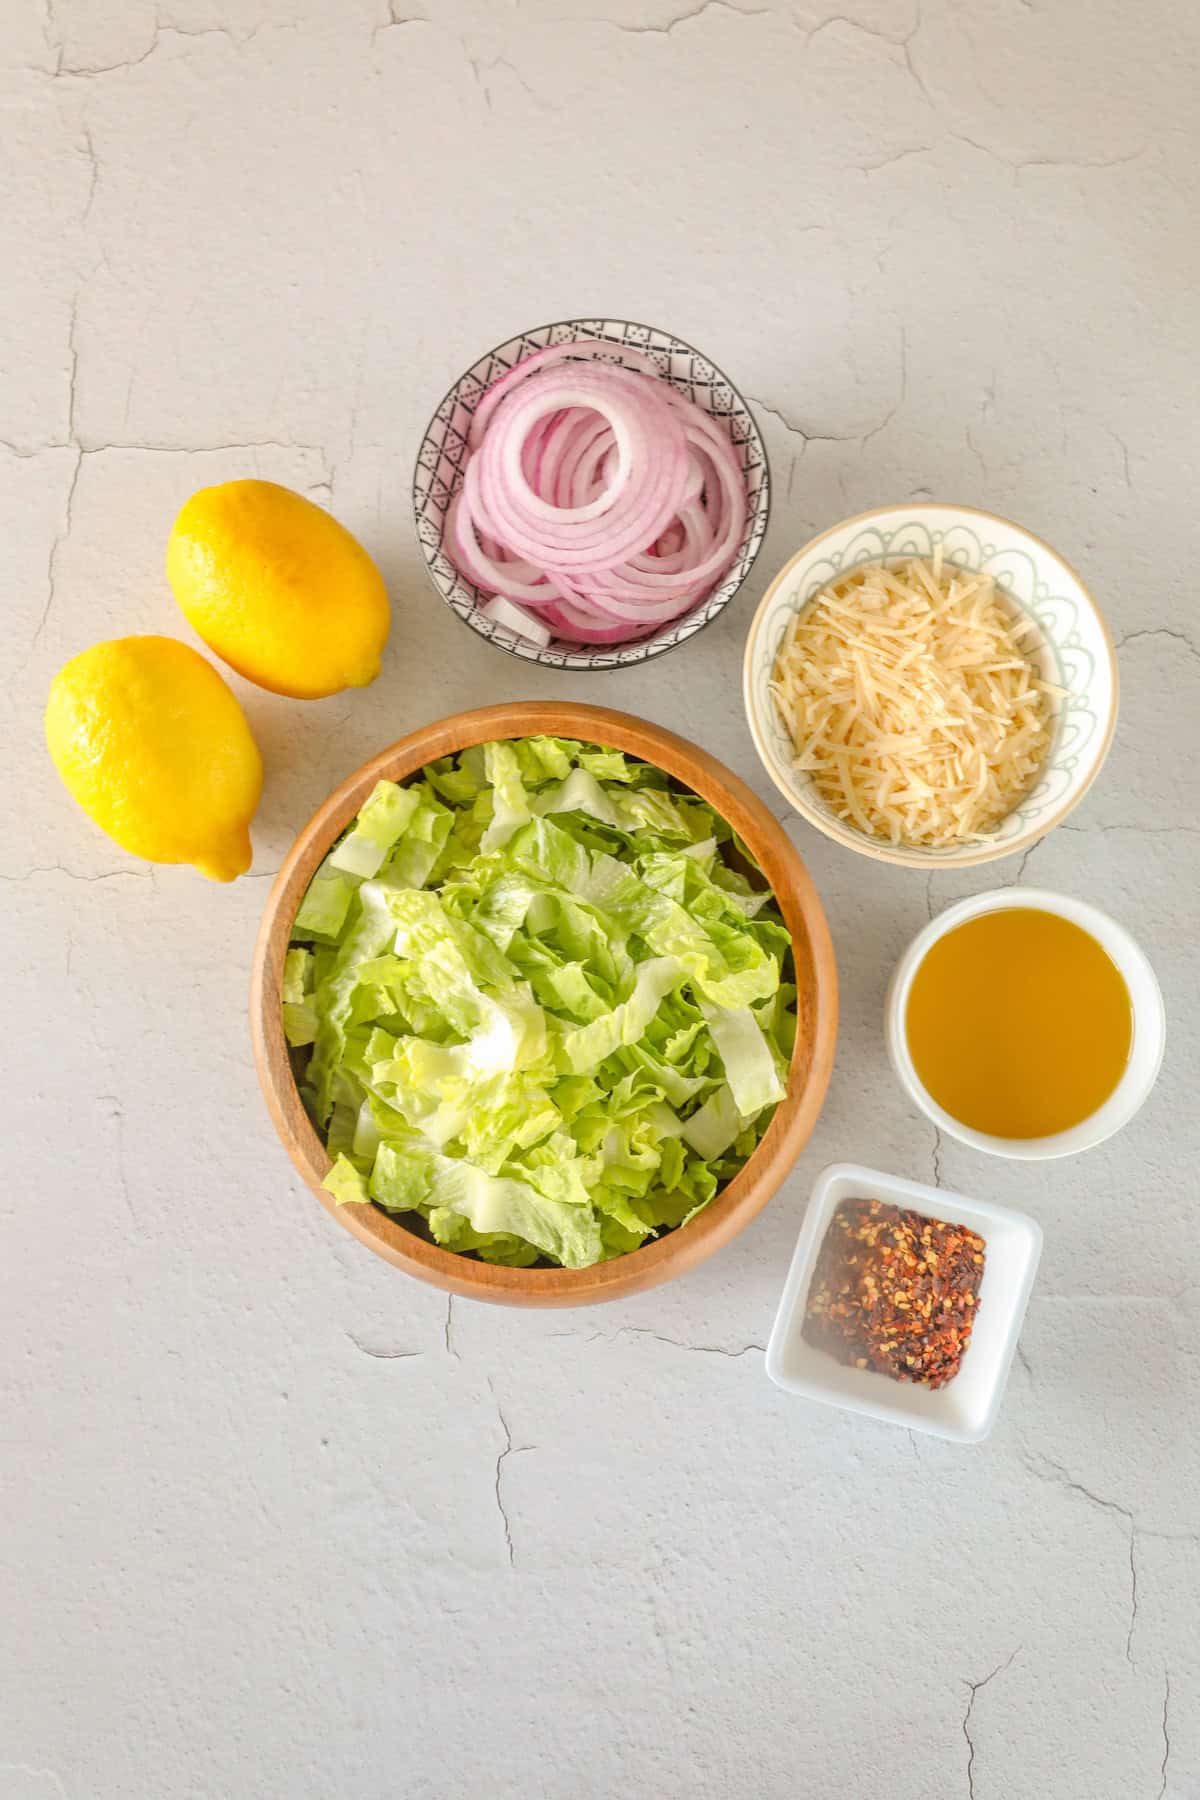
[387, 813]
[548, 1006]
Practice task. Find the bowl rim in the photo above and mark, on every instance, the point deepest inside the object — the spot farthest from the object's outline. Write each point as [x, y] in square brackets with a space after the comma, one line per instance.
[650, 651]
[812, 1059]
[970, 856]
[1145, 1002]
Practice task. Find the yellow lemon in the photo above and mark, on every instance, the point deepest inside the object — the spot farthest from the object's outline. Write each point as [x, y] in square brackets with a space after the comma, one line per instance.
[152, 744]
[278, 589]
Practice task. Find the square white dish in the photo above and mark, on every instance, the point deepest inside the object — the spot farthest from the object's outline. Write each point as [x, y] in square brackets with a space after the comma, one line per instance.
[965, 1409]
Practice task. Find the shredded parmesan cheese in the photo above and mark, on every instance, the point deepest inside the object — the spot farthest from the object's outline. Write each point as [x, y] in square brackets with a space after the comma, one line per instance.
[912, 703]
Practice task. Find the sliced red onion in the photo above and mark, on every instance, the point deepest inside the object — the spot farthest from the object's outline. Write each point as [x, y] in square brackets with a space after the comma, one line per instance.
[579, 348]
[518, 581]
[597, 502]
[580, 628]
[503, 612]
[629, 513]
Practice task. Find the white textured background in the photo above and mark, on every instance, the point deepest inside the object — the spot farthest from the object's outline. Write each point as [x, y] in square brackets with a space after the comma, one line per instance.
[276, 1521]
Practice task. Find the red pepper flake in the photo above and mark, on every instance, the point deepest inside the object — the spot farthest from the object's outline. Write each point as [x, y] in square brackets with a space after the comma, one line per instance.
[895, 1291]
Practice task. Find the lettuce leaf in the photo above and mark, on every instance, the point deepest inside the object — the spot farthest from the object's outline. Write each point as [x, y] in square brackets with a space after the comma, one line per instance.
[387, 813]
[326, 906]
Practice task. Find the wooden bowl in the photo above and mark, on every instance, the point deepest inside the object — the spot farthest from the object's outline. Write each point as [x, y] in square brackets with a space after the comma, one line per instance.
[816, 982]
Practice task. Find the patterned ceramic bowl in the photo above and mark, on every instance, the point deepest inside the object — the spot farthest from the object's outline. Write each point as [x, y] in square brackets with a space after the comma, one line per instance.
[439, 473]
[1076, 653]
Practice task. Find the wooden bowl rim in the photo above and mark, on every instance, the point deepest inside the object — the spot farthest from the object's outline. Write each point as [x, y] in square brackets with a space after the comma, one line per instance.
[812, 1060]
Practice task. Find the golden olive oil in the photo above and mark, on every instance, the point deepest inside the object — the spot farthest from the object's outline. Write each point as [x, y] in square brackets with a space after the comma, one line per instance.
[1019, 1023]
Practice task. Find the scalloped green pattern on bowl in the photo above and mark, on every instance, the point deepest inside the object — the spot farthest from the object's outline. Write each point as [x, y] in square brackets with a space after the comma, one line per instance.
[1077, 654]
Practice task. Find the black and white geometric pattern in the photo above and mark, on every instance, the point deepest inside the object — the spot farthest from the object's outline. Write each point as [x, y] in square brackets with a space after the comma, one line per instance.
[439, 473]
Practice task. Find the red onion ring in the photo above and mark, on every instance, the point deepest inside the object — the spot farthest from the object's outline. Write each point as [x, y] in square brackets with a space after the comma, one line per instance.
[631, 359]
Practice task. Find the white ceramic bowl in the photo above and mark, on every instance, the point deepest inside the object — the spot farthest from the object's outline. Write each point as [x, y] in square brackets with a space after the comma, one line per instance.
[1146, 1050]
[965, 1409]
[439, 472]
[1076, 653]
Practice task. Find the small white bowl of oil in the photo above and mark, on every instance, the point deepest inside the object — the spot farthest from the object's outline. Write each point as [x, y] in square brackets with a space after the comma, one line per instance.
[1025, 1023]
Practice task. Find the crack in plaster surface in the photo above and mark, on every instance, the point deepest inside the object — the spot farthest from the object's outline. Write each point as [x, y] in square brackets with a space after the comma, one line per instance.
[1067, 1481]
[510, 1449]
[975, 1687]
[381, 1355]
